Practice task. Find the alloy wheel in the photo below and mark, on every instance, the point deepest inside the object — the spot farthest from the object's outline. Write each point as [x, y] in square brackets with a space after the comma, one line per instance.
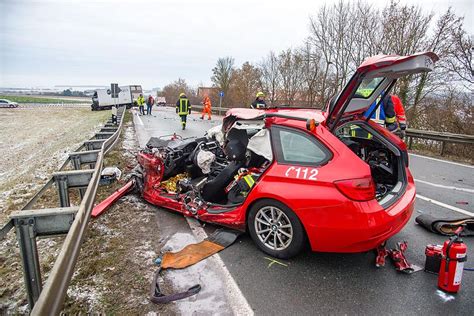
[273, 228]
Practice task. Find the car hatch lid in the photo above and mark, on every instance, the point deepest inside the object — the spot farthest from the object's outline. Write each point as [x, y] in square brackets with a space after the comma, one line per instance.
[374, 77]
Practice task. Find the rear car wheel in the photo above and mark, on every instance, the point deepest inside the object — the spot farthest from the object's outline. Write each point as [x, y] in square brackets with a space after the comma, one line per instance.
[276, 229]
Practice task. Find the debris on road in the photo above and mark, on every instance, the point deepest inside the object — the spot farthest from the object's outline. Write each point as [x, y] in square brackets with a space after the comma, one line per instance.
[400, 261]
[102, 206]
[109, 175]
[446, 226]
[189, 255]
[397, 256]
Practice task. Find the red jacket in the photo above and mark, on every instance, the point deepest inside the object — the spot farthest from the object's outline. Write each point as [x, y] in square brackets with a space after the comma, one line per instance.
[399, 111]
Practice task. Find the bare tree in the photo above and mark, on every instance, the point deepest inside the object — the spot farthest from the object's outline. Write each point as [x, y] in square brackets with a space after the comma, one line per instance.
[311, 74]
[245, 83]
[460, 61]
[222, 74]
[270, 77]
[290, 68]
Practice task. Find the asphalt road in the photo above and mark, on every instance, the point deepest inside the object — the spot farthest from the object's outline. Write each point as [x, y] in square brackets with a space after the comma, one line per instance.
[326, 283]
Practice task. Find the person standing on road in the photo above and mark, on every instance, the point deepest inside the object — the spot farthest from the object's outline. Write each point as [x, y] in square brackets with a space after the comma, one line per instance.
[206, 109]
[183, 108]
[259, 102]
[384, 115]
[141, 104]
[149, 104]
[400, 115]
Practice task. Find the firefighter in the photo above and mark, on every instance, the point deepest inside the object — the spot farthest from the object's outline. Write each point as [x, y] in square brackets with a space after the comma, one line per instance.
[141, 104]
[384, 115]
[206, 109]
[259, 102]
[183, 108]
[400, 115]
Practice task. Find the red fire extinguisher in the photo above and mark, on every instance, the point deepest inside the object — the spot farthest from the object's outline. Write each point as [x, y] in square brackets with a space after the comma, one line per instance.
[452, 263]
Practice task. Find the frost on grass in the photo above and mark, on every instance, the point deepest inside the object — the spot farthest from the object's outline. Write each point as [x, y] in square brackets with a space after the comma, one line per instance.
[29, 156]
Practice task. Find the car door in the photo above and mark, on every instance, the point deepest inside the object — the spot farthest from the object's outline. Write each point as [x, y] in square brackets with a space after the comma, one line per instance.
[298, 176]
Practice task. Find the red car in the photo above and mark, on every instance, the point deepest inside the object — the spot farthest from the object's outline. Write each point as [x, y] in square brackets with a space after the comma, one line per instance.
[290, 176]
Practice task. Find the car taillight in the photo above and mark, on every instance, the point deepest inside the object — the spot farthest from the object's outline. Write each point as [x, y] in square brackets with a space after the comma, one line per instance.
[361, 189]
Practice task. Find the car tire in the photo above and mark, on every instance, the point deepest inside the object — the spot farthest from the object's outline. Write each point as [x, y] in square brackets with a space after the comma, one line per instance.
[276, 229]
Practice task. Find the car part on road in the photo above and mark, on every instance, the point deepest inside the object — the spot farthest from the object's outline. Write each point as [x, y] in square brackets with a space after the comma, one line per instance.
[109, 175]
[399, 259]
[446, 226]
[114, 197]
[397, 256]
[452, 263]
[189, 255]
[157, 297]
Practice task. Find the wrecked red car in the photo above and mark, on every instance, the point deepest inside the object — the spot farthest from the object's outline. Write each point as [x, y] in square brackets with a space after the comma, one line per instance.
[290, 176]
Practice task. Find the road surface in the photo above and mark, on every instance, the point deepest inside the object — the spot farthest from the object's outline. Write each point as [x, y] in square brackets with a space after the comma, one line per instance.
[325, 283]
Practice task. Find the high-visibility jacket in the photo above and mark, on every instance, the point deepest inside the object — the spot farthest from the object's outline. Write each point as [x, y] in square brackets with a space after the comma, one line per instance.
[385, 113]
[141, 101]
[207, 103]
[399, 112]
[183, 106]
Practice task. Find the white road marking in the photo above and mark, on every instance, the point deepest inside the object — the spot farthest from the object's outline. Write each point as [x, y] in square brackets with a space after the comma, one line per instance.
[237, 301]
[140, 122]
[441, 160]
[452, 208]
[445, 186]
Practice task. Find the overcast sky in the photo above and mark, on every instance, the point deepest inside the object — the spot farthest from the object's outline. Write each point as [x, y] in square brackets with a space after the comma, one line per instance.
[83, 42]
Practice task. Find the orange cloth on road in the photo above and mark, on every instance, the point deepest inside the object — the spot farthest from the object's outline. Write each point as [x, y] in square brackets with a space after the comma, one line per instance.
[190, 255]
[206, 107]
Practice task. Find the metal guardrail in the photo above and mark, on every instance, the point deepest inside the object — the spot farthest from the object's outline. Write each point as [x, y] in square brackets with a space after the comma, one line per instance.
[29, 223]
[442, 137]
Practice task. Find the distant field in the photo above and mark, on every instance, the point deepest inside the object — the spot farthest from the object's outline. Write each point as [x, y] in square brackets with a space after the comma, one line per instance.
[35, 99]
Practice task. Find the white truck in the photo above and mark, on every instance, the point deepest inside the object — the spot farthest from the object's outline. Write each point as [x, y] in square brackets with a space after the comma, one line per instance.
[102, 100]
[160, 101]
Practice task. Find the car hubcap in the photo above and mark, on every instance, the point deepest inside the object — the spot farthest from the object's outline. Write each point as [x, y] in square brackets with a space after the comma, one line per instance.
[273, 228]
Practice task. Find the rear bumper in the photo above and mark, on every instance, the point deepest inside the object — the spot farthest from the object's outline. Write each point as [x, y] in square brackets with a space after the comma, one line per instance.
[368, 227]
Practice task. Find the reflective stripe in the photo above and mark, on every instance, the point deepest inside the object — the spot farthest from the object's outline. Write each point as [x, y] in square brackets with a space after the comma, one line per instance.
[390, 120]
[183, 106]
[250, 181]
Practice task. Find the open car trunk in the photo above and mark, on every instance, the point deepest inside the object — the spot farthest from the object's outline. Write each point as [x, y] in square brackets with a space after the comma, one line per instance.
[348, 117]
[386, 161]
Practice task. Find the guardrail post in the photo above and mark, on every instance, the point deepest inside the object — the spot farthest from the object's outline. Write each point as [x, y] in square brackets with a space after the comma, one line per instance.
[29, 225]
[26, 235]
[410, 143]
[443, 144]
[61, 182]
[76, 162]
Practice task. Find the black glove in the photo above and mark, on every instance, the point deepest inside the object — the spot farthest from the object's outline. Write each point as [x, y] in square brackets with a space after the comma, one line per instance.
[403, 126]
[189, 111]
[176, 110]
[392, 127]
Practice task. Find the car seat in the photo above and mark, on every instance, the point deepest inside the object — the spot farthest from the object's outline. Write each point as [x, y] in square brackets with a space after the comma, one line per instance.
[235, 147]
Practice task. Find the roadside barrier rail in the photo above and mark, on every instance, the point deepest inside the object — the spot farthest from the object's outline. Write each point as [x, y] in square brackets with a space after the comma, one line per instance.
[442, 137]
[30, 223]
